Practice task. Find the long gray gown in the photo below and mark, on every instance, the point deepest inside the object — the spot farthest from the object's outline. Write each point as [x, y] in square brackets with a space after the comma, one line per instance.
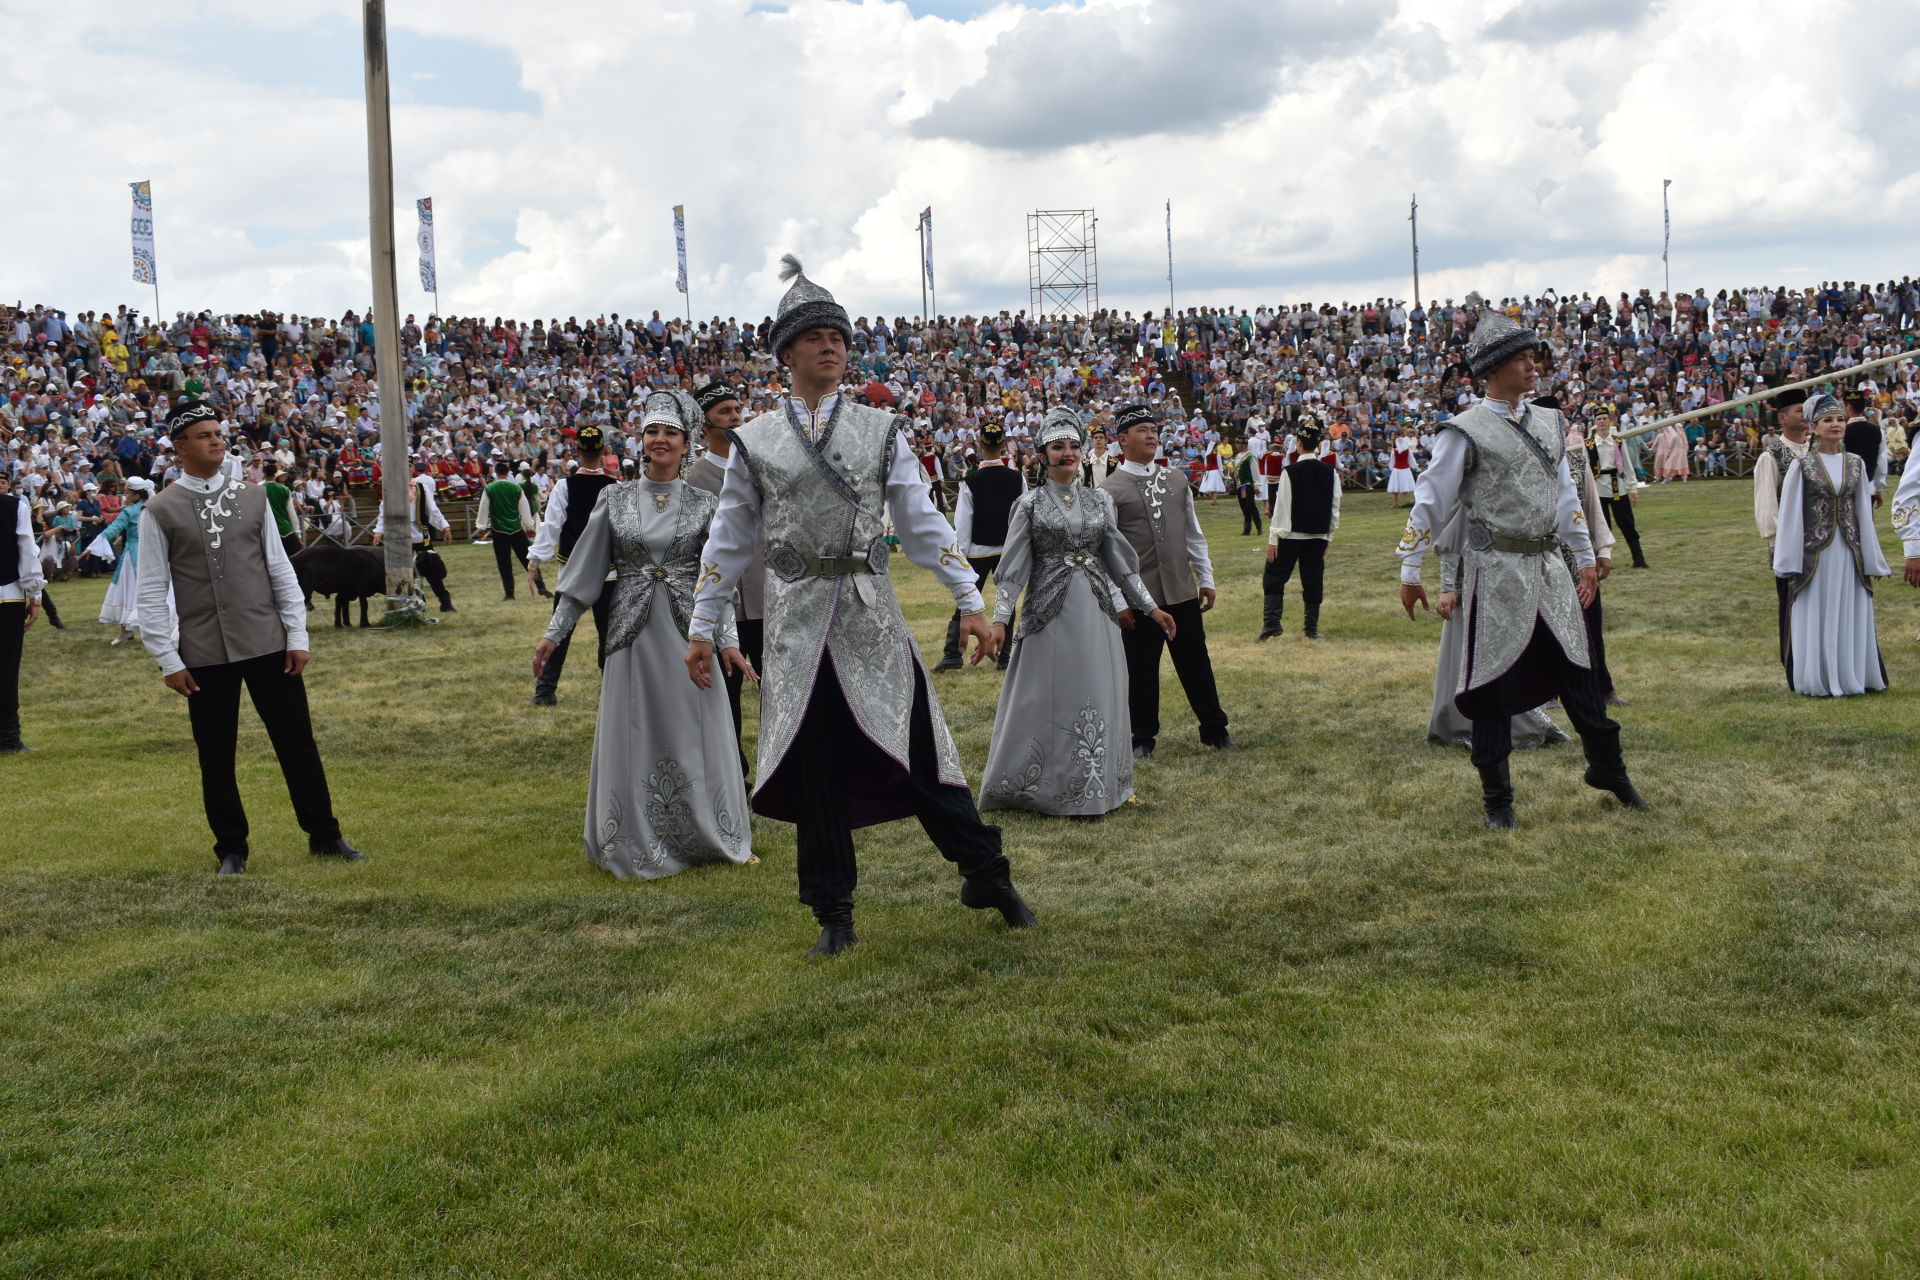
[1062, 736]
[1446, 727]
[666, 791]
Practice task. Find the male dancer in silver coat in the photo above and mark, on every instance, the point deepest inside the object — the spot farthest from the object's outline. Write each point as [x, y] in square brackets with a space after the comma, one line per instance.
[1525, 639]
[850, 731]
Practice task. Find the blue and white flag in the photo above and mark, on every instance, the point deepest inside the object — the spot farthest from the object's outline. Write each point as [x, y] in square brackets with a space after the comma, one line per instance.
[144, 267]
[429, 272]
[680, 243]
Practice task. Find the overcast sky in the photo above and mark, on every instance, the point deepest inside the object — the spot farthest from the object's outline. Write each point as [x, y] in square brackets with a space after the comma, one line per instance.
[556, 135]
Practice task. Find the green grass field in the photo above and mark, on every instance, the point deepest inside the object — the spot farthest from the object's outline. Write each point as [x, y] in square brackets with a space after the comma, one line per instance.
[1295, 1015]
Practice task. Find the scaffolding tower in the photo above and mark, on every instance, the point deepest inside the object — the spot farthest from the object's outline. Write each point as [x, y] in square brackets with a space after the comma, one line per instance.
[1063, 263]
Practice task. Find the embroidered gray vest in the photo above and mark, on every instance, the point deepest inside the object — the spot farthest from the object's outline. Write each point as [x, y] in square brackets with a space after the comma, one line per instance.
[217, 555]
[640, 581]
[1067, 547]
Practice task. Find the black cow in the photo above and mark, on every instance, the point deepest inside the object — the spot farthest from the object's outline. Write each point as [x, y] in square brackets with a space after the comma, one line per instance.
[345, 573]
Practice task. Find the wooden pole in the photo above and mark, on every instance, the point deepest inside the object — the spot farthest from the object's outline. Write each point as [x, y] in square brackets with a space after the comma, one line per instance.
[1729, 406]
[396, 471]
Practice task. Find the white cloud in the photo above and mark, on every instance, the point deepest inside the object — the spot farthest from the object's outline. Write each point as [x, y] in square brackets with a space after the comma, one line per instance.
[1288, 137]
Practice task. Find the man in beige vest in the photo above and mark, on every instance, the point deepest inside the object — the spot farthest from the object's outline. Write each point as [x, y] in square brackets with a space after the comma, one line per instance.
[1153, 506]
[212, 540]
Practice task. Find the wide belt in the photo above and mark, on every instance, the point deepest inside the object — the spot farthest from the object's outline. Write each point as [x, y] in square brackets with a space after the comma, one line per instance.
[838, 566]
[791, 565]
[1525, 546]
[1481, 538]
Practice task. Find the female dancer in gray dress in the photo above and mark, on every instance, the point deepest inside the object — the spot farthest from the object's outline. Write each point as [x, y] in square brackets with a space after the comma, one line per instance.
[1062, 735]
[666, 790]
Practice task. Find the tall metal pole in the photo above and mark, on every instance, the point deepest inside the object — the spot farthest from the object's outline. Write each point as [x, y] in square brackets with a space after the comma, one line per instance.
[396, 471]
[1413, 216]
[1169, 260]
[921, 227]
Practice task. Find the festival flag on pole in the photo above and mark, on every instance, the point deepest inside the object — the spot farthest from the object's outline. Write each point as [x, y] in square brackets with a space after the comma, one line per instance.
[429, 271]
[680, 243]
[926, 221]
[1666, 213]
[144, 267]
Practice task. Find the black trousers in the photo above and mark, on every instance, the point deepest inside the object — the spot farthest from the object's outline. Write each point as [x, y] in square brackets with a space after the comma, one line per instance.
[281, 702]
[828, 740]
[13, 635]
[1249, 511]
[983, 568]
[753, 633]
[1597, 644]
[506, 546]
[1783, 588]
[1310, 554]
[1619, 514]
[1190, 662]
[549, 679]
[1544, 664]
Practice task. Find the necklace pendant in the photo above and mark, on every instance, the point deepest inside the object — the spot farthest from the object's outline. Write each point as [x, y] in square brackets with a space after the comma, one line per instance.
[660, 501]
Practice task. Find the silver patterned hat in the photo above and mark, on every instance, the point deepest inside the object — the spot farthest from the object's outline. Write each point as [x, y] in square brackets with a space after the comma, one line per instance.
[1819, 404]
[676, 409]
[805, 306]
[1496, 339]
[1061, 423]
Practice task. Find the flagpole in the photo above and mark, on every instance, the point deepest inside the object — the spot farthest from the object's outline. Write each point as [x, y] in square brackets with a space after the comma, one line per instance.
[1666, 244]
[396, 471]
[1169, 257]
[921, 226]
[1413, 216]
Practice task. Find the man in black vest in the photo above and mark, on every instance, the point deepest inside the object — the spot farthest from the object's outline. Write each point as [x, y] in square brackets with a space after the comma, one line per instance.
[980, 518]
[1306, 511]
[1868, 442]
[20, 583]
[568, 507]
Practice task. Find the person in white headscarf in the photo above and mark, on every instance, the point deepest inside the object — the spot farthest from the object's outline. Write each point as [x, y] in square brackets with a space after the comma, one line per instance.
[1826, 548]
[121, 608]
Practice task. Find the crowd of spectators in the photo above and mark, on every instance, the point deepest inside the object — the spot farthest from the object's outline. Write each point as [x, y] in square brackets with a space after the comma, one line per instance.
[84, 397]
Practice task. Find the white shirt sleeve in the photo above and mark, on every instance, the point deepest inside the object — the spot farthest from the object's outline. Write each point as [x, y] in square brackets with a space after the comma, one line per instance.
[483, 519]
[546, 539]
[159, 632]
[926, 537]
[1766, 495]
[287, 596]
[1197, 556]
[1880, 466]
[1335, 526]
[1436, 492]
[1789, 539]
[31, 579]
[1572, 519]
[1599, 532]
[1905, 515]
[1872, 558]
[1281, 522]
[731, 540]
[963, 517]
[526, 513]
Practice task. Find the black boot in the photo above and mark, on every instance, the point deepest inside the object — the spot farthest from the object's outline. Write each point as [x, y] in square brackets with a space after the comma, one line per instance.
[53, 614]
[233, 864]
[1496, 793]
[998, 893]
[1607, 769]
[1313, 622]
[836, 929]
[1270, 618]
[950, 656]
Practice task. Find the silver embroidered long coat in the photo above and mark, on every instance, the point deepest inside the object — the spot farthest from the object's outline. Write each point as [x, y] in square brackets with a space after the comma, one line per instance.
[1513, 488]
[665, 790]
[1062, 735]
[825, 497]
